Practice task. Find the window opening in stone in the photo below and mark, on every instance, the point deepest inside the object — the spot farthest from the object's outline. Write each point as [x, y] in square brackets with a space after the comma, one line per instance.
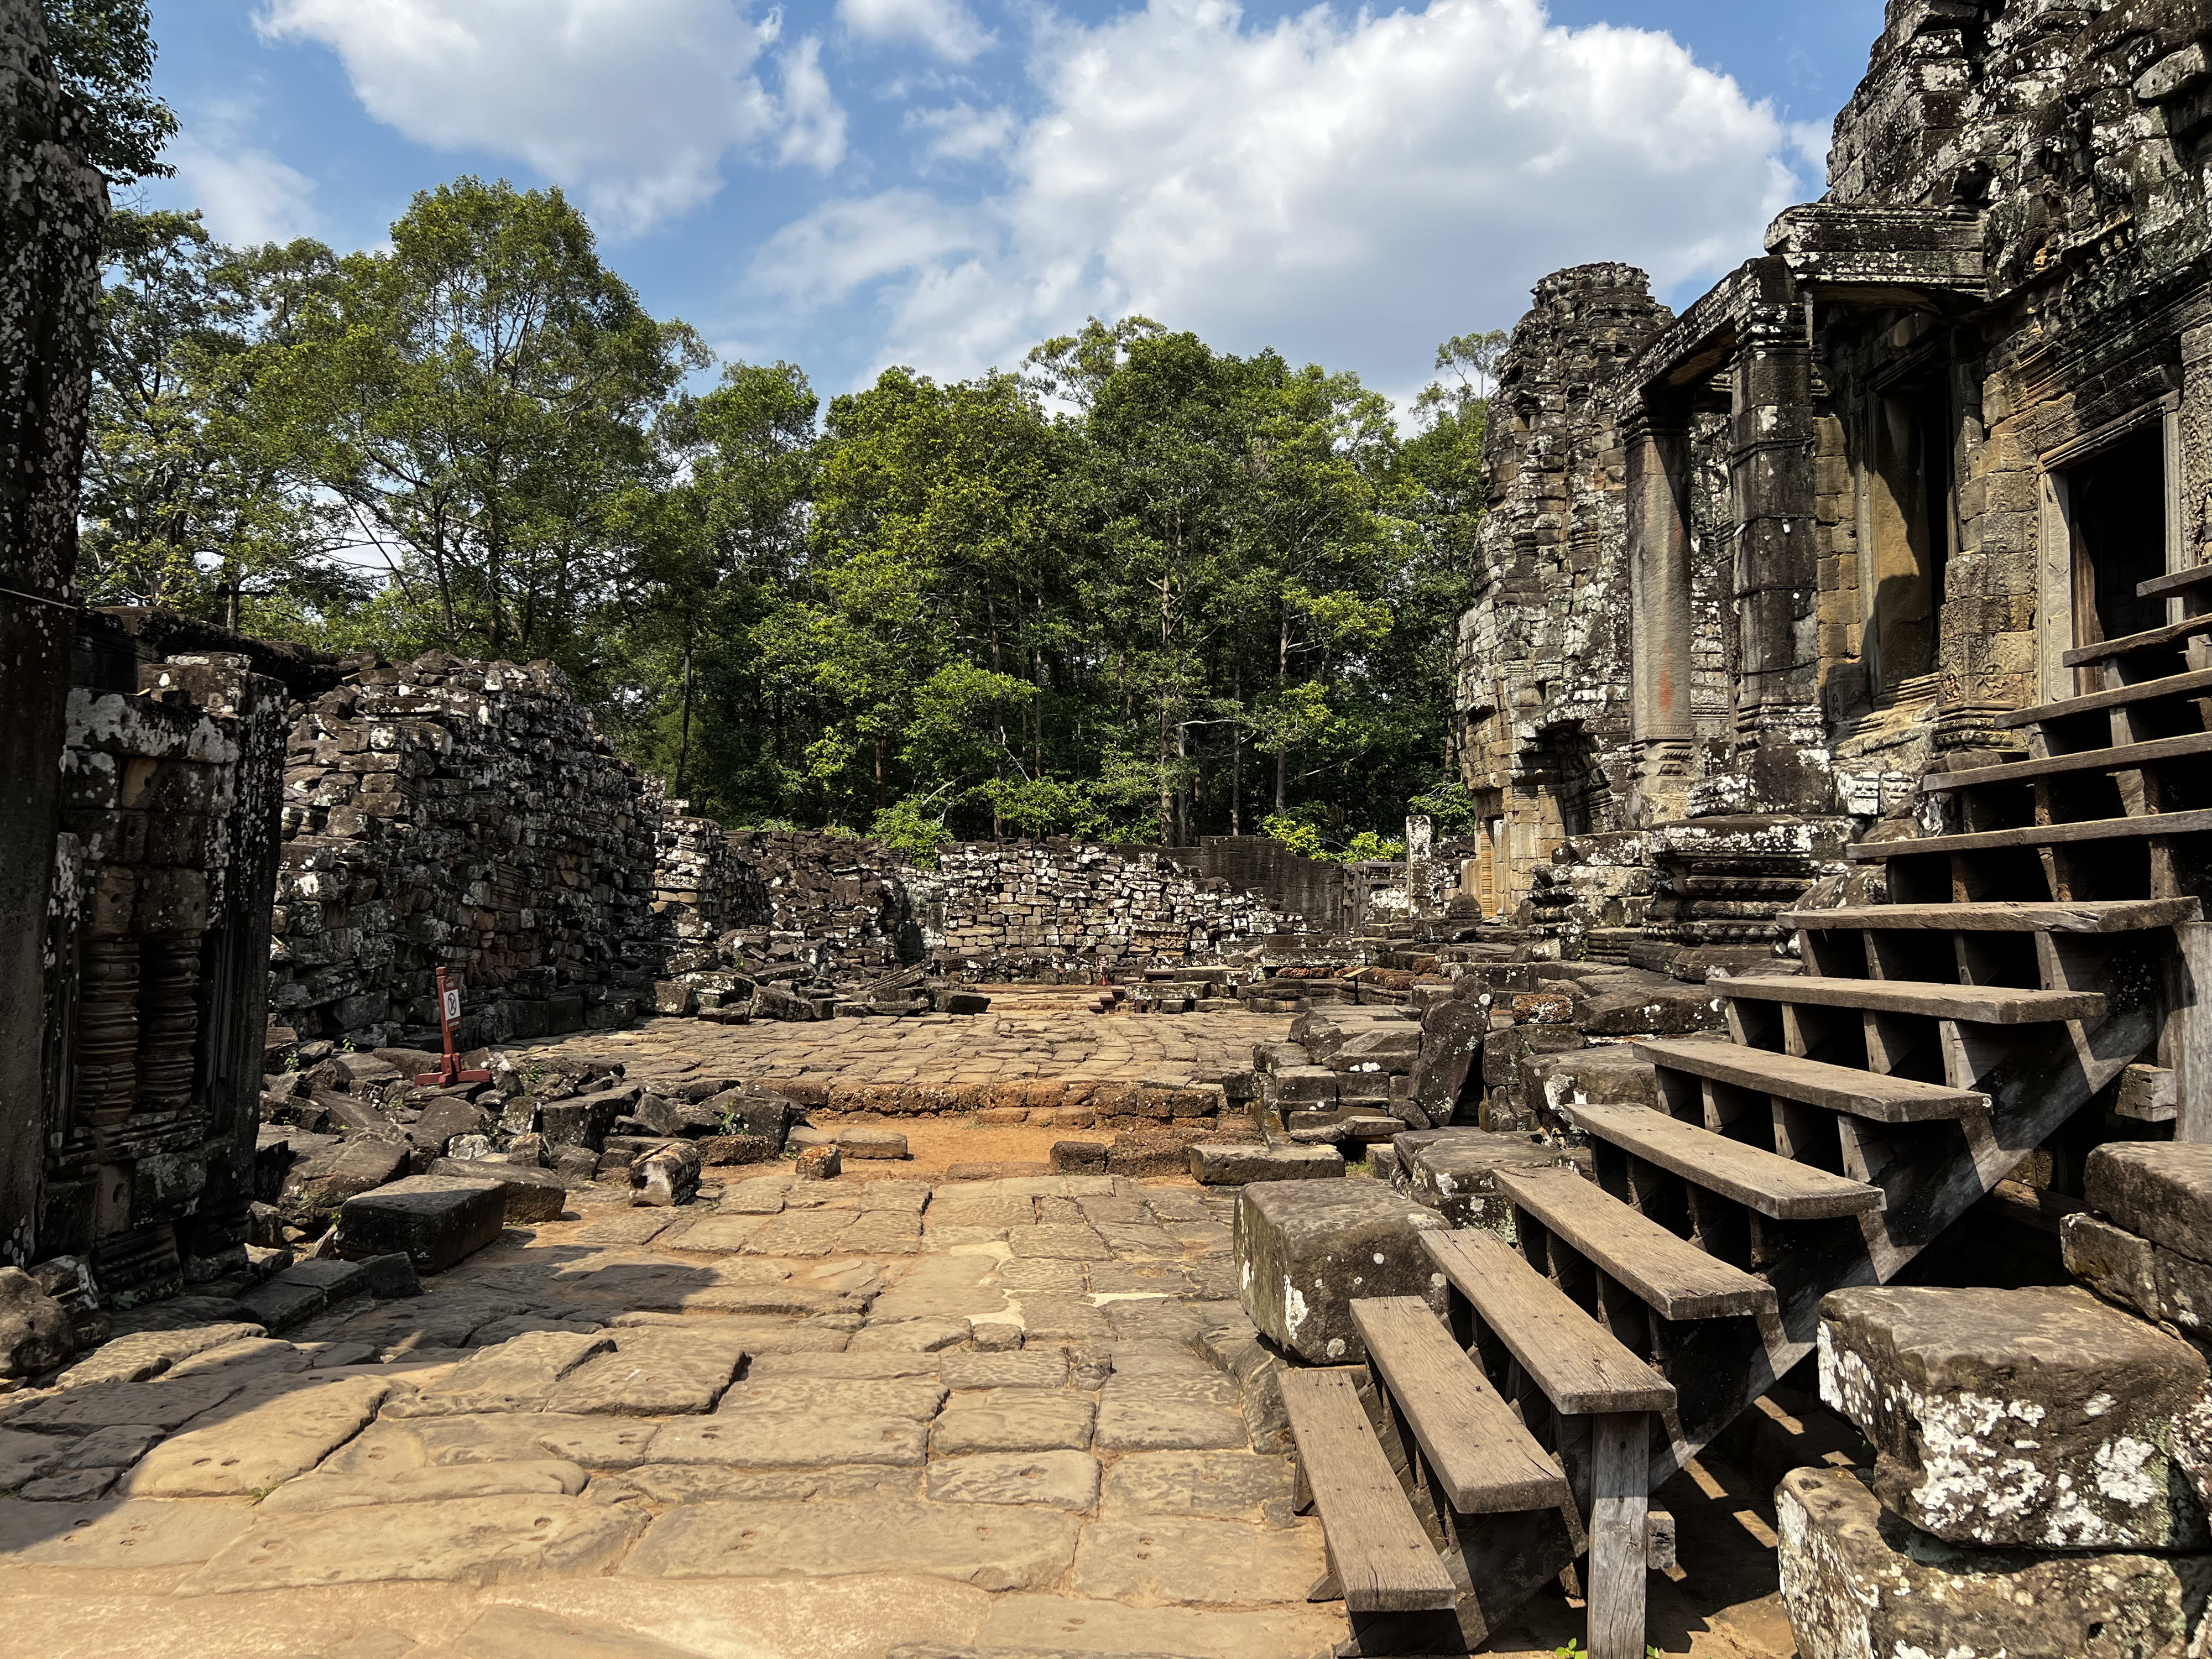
[1912, 528]
[2116, 509]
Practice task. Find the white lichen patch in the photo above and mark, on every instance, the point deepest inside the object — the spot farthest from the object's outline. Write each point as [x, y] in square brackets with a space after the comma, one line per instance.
[1294, 1307]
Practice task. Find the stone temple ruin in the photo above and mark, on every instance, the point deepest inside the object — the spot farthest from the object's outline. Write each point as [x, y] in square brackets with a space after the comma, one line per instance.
[1770, 1151]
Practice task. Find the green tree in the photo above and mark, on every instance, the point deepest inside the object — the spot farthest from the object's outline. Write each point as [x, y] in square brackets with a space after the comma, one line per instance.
[103, 51]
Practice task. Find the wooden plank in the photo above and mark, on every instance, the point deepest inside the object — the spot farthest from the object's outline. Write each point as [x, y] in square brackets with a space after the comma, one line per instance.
[1620, 1502]
[2175, 581]
[2122, 758]
[1383, 1561]
[1568, 1355]
[1669, 1274]
[1779, 1188]
[2079, 916]
[1982, 1004]
[2196, 683]
[2150, 638]
[2186, 1042]
[2037, 834]
[1485, 1462]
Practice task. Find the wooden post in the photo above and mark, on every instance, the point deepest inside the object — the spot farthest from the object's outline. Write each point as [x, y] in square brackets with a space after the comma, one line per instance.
[1621, 1500]
[2188, 1045]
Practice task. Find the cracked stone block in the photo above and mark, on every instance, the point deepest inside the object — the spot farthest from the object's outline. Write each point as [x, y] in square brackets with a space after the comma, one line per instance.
[2037, 1419]
[1455, 1172]
[2159, 1190]
[1305, 1249]
[434, 1220]
[2122, 1266]
[1857, 1581]
[528, 1195]
[1239, 1163]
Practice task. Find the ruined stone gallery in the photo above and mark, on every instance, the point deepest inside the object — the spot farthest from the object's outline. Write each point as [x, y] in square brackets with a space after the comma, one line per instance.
[1734, 1179]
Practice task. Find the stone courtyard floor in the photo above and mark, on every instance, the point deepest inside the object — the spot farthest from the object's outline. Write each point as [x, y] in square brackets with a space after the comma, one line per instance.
[877, 1415]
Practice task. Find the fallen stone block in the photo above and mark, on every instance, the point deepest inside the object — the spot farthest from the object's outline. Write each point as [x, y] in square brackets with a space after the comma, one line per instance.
[666, 1176]
[869, 1143]
[526, 1194]
[1078, 1156]
[2122, 1266]
[2038, 1419]
[1455, 1172]
[1857, 1581]
[1233, 1163]
[1305, 1249]
[434, 1220]
[36, 1334]
[819, 1164]
[2159, 1190]
[315, 1186]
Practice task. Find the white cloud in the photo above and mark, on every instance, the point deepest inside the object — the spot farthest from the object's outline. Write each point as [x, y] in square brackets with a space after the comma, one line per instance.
[947, 28]
[1354, 188]
[631, 103]
[245, 195]
[960, 132]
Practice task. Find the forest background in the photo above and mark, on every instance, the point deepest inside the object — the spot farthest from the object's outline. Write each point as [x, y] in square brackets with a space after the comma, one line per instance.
[1139, 590]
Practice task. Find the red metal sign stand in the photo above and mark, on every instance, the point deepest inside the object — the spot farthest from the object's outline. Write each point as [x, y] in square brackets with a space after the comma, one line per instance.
[449, 1010]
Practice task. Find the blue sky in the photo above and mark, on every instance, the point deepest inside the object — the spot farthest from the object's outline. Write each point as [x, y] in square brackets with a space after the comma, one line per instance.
[847, 184]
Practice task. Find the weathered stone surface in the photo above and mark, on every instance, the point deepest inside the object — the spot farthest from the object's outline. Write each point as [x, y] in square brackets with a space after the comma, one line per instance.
[1225, 1485]
[468, 1541]
[713, 1483]
[35, 1332]
[527, 1195]
[1037, 1367]
[863, 1142]
[2034, 1418]
[161, 1404]
[1451, 1052]
[1168, 1412]
[909, 1336]
[119, 1532]
[1013, 1420]
[1067, 1243]
[655, 1371]
[1058, 1479]
[1182, 1561]
[323, 1182]
[148, 1354]
[318, 1493]
[519, 1375]
[999, 1549]
[666, 1176]
[264, 1437]
[2127, 1268]
[434, 1220]
[2159, 1190]
[817, 1163]
[1232, 1163]
[1857, 1581]
[880, 1366]
[715, 1234]
[1306, 1249]
[1455, 1172]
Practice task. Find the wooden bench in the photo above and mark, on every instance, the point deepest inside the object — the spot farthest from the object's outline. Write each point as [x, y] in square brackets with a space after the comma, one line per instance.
[1378, 1555]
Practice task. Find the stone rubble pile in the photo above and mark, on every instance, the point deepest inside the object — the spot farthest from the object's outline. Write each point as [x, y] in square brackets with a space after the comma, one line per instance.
[467, 816]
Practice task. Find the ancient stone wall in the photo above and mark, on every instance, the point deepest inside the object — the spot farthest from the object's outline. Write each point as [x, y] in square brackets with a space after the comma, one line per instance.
[842, 898]
[466, 816]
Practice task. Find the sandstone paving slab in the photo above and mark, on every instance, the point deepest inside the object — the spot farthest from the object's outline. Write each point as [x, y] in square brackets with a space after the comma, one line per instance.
[148, 1354]
[1055, 1623]
[501, 1330]
[709, 1483]
[940, 1301]
[767, 1334]
[1049, 1318]
[1186, 1561]
[515, 1632]
[908, 1336]
[260, 1355]
[788, 1439]
[803, 1232]
[655, 1371]
[1141, 1243]
[625, 1227]
[1168, 1412]
[1032, 1274]
[519, 1375]
[1036, 1368]
[468, 1541]
[993, 1549]
[1223, 1485]
[390, 1444]
[1079, 1242]
[1139, 1279]
[712, 1233]
[1013, 1419]
[598, 1442]
[1152, 1357]
[884, 1232]
[263, 1437]
[902, 1197]
[917, 1397]
[760, 1195]
[877, 1366]
[994, 1213]
[1058, 1479]
[317, 1493]
[161, 1404]
[23, 1456]
[119, 1532]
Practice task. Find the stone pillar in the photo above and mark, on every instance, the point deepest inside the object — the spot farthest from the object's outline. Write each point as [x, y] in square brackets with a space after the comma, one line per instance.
[1658, 444]
[1781, 736]
[52, 208]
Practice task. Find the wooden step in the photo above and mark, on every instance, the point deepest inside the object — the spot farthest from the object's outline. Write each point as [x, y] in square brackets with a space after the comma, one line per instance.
[2082, 917]
[2150, 639]
[1485, 1462]
[1778, 1187]
[1382, 1558]
[2125, 757]
[2178, 581]
[1979, 1005]
[2037, 834]
[2197, 683]
[1671, 1275]
[1574, 1360]
[1815, 1083]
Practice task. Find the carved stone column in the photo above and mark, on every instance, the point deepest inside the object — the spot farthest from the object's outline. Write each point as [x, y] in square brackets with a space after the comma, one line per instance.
[1657, 439]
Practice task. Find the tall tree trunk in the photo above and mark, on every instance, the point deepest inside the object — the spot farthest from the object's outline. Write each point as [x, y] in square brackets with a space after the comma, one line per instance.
[883, 789]
[1236, 750]
[684, 741]
[1282, 675]
[998, 722]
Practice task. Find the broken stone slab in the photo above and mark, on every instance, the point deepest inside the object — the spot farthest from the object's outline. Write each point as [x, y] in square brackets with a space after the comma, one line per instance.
[527, 1195]
[666, 1176]
[519, 1375]
[468, 1540]
[996, 1549]
[2161, 1284]
[2037, 1419]
[1452, 1033]
[1235, 1164]
[1057, 1479]
[322, 1183]
[817, 1163]
[318, 1493]
[1455, 1173]
[148, 1354]
[1858, 1580]
[1306, 1249]
[1180, 1560]
[1013, 1420]
[653, 1372]
[1168, 1412]
[863, 1142]
[2157, 1190]
[434, 1221]
[265, 1437]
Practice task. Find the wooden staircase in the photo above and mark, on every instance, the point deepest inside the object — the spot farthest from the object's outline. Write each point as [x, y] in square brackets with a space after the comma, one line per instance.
[2051, 942]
